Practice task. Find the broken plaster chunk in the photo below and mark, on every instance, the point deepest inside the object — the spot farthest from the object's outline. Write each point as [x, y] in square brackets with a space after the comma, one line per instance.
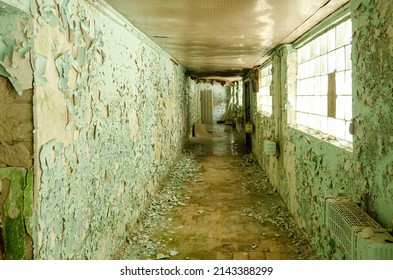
[173, 253]
[161, 256]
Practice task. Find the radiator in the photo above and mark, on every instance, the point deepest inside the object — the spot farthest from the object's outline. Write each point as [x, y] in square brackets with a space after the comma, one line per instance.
[347, 223]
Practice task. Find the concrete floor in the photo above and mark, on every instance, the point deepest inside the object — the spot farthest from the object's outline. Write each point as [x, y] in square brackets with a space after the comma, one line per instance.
[228, 210]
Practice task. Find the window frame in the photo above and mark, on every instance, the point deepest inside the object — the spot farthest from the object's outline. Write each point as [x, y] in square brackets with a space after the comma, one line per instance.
[330, 23]
[265, 90]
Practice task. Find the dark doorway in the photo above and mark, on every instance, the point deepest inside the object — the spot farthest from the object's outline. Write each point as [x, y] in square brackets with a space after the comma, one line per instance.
[247, 106]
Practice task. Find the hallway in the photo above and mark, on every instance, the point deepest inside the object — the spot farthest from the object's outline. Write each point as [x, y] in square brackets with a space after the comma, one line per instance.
[99, 99]
[217, 204]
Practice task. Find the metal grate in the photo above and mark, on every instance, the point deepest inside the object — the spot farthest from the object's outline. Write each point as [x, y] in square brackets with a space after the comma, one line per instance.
[344, 219]
[351, 214]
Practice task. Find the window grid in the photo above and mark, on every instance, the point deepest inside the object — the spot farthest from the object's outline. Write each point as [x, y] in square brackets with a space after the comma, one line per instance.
[264, 98]
[326, 54]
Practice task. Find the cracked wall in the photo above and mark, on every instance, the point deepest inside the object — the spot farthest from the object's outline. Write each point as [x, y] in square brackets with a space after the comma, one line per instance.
[111, 112]
[307, 168]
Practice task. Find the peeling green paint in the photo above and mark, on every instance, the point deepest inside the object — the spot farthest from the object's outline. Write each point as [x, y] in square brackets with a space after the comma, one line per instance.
[18, 6]
[13, 80]
[13, 222]
[63, 66]
[372, 60]
[309, 168]
[119, 125]
[7, 49]
[11, 20]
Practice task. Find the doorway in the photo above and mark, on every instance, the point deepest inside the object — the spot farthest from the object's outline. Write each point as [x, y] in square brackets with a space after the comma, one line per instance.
[247, 107]
[206, 106]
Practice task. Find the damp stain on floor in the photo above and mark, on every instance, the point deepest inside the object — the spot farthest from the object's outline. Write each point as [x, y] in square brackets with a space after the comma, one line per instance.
[217, 205]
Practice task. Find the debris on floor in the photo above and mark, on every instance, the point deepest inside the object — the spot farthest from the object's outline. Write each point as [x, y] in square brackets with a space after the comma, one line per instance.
[217, 204]
[140, 245]
[155, 236]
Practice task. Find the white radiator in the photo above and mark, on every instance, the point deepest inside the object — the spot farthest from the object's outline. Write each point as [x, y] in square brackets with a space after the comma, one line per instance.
[360, 236]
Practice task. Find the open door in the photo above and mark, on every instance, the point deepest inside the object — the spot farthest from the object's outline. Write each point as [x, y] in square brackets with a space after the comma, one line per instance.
[206, 106]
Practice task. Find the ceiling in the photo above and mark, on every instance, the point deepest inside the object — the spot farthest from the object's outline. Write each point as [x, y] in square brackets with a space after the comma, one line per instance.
[223, 39]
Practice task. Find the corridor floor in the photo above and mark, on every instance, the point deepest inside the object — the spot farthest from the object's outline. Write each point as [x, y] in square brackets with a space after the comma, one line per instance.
[217, 204]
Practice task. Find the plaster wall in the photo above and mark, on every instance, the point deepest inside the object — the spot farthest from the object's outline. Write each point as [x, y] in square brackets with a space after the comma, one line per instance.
[110, 116]
[309, 167]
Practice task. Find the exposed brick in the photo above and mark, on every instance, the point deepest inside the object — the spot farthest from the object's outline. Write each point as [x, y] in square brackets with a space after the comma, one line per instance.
[25, 98]
[5, 131]
[23, 132]
[20, 111]
[16, 155]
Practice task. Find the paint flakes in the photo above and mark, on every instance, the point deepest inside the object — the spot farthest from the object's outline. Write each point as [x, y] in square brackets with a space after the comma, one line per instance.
[63, 66]
[141, 245]
[40, 70]
[109, 104]
[25, 47]
[7, 49]
[13, 80]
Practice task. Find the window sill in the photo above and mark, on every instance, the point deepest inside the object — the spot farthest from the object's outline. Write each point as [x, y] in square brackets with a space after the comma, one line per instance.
[343, 144]
[264, 114]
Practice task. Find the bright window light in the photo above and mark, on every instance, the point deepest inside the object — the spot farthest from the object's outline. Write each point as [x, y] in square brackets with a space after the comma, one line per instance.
[264, 98]
[324, 83]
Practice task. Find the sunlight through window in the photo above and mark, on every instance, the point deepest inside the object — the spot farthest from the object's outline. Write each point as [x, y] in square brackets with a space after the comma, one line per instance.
[324, 83]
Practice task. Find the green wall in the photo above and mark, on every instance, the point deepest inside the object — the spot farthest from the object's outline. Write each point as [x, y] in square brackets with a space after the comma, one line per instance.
[111, 115]
[309, 168]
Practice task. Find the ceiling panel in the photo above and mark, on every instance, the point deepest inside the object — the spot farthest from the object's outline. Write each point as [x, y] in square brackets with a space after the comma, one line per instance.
[223, 37]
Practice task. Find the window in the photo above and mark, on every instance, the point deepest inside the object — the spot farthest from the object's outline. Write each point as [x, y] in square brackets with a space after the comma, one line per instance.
[324, 83]
[264, 98]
